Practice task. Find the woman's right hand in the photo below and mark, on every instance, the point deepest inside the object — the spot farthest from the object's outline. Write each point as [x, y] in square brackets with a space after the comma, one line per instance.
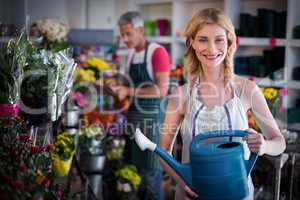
[189, 193]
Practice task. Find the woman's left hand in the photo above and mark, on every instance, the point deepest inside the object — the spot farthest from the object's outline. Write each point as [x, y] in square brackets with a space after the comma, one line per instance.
[255, 142]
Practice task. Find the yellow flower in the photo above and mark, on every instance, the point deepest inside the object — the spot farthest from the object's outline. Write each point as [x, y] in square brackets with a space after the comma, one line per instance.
[270, 93]
[85, 75]
[98, 63]
[129, 174]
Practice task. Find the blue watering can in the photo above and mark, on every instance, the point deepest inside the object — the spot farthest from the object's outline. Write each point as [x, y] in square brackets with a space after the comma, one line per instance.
[217, 171]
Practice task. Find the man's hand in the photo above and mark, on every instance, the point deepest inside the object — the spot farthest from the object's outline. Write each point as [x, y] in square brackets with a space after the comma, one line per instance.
[256, 142]
[121, 91]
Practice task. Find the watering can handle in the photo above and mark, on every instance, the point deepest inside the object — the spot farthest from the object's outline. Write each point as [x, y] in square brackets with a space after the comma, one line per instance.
[220, 133]
[229, 133]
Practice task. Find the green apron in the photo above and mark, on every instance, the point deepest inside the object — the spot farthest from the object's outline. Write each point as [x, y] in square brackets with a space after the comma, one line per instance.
[146, 114]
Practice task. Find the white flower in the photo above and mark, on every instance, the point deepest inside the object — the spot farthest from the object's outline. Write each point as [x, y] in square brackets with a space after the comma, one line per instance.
[53, 29]
[124, 187]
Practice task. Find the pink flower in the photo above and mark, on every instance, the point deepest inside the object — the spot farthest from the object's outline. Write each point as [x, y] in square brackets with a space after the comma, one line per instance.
[78, 97]
[58, 195]
[283, 92]
[251, 78]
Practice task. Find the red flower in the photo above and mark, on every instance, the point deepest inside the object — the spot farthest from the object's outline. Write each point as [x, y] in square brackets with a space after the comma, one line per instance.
[36, 149]
[24, 137]
[19, 185]
[49, 147]
[13, 153]
[23, 168]
[8, 179]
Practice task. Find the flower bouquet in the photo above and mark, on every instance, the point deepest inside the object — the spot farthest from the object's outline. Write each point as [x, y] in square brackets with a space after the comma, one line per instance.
[62, 154]
[46, 85]
[273, 98]
[54, 33]
[12, 61]
[128, 181]
[25, 169]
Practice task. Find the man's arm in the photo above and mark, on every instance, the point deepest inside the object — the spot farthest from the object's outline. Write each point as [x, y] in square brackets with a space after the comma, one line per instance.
[161, 70]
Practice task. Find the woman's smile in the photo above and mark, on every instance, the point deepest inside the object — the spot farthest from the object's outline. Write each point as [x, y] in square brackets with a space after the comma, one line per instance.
[212, 57]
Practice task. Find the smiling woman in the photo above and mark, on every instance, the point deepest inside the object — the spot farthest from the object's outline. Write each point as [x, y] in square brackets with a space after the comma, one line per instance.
[211, 31]
[210, 45]
[215, 99]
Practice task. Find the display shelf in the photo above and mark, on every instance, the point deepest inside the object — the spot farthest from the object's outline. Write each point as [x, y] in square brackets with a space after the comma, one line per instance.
[150, 2]
[6, 39]
[161, 39]
[293, 85]
[267, 82]
[251, 41]
[294, 43]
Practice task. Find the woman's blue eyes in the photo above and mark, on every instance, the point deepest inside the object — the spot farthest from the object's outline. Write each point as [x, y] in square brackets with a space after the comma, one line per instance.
[205, 40]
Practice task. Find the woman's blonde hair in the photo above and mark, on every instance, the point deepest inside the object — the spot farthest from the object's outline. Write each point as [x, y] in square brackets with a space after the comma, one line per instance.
[192, 65]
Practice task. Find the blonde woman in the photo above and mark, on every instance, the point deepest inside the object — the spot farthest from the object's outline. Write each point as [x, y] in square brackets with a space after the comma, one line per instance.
[214, 98]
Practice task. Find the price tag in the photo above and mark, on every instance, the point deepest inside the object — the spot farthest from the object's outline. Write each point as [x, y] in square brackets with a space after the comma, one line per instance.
[272, 42]
[238, 40]
[251, 78]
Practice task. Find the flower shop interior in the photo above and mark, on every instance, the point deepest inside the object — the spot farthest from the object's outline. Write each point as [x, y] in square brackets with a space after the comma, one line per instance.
[62, 126]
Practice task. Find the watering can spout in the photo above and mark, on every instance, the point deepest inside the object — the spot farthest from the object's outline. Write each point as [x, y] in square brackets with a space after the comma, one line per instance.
[183, 170]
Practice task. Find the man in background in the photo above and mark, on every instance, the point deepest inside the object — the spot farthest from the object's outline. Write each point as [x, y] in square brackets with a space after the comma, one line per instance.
[148, 69]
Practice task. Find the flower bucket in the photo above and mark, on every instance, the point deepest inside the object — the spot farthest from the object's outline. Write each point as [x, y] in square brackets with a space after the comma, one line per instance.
[92, 163]
[9, 110]
[61, 167]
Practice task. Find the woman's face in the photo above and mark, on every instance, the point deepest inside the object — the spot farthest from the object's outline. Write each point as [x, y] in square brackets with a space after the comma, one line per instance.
[210, 45]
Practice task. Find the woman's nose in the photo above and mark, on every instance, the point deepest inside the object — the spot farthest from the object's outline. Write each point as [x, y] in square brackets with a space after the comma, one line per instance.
[211, 46]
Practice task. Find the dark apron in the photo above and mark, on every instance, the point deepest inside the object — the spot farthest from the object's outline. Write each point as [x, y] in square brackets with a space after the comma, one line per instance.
[146, 114]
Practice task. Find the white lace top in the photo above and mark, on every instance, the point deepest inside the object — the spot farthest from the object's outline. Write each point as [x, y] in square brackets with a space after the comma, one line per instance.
[200, 118]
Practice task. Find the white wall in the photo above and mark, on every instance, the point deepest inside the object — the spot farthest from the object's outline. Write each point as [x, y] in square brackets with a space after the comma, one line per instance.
[94, 14]
[101, 14]
[76, 13]
[40, 9]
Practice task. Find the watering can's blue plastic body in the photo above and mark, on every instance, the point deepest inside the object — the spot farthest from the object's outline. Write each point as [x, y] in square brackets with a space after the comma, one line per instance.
[216, 171]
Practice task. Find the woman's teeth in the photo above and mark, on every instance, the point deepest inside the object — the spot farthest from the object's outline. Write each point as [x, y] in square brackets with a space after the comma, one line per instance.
[212, 57]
